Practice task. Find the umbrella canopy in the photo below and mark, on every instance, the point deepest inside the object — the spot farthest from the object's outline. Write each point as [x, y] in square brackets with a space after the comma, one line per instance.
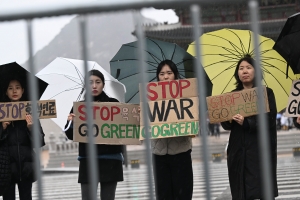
[125, 64]
[287, 44]
[222, 49]
[66, 85]
[12, 70]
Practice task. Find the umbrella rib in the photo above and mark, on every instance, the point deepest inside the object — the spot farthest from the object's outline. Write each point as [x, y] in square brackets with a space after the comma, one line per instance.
[243, 49]
[173, 52]
[179, 63]
[135, 74]
[66, 76]
[227, 84]
[137, 92]
[228, 68]
[260, 44]
[277, 82]
[229, 50]
[161, 51]
[274, 67]
[152, 55]
[223, 61]
[77, 71]
[236, 48]
[67, 90]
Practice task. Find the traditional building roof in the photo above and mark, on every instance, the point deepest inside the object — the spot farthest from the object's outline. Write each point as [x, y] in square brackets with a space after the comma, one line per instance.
[183, 34]
[273, 18]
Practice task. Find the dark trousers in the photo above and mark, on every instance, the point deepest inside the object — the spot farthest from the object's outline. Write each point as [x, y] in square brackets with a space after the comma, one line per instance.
[107, 192]
[173, 176]
[24, 191]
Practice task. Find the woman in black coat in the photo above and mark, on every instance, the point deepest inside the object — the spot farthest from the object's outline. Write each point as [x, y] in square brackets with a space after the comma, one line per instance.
[243, 151]
[110, 157]
[17, 135]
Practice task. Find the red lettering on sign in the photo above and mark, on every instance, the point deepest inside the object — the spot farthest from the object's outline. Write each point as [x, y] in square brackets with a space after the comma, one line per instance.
[163, 89]
[155, 95]
[94, 111]
[235, 96]
[176, 90]
[183, 86]
[80, 110]
[114, 110]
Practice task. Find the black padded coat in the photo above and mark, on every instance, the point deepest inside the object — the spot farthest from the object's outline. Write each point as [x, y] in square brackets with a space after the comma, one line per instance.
[19, 140]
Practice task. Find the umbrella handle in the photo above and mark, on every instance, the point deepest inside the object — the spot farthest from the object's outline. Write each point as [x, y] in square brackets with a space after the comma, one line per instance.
[69, 124]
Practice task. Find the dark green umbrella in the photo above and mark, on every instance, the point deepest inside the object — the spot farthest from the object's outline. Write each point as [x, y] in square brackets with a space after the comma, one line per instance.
[124, 66]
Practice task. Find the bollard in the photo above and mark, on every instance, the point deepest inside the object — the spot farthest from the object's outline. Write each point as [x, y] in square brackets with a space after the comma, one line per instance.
[135, 164]
[296, 152]
[216, 157]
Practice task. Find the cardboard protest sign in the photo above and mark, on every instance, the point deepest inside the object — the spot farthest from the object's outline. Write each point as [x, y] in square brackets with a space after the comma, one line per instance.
[293, 107]
[13, 111]
[245, 102]
[171, 89]
[113, 123]
[173, 109]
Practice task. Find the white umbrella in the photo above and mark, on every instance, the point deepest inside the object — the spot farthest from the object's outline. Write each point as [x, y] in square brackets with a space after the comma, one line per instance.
[66, 80]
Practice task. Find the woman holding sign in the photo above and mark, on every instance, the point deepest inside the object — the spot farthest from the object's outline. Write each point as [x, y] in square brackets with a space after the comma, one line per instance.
[17, 135]
[110, 157]
[172, 163]
[243, 151]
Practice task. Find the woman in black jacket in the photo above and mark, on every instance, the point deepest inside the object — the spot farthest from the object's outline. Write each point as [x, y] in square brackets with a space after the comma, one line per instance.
[110, 157]
[243, 150]
[17, 135]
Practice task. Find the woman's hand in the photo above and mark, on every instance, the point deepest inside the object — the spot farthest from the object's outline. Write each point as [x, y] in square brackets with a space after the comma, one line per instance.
[298, 120]
[71, 116]
[238, 118]
[29, 121]
[5, 124]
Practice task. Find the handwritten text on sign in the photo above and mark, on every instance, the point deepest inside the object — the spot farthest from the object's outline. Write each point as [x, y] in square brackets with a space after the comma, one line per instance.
[224, 107]
[172, 109]
[113, 123]
[171, 89]
[12, 111]
[293, 107]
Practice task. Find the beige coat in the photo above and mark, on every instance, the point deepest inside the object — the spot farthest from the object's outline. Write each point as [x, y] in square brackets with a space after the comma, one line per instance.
[171, 146]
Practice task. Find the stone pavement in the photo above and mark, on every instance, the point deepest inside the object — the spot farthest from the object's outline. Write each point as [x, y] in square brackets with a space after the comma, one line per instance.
[62, 183]
[287, 140]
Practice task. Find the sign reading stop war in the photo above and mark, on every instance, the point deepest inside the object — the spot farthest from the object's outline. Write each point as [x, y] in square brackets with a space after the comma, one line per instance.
[245, 102]
[293, 107]
[13, 111]
[113, 123]
[173, 109]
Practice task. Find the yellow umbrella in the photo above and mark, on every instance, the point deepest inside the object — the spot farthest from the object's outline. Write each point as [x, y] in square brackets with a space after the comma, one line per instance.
[222, 49]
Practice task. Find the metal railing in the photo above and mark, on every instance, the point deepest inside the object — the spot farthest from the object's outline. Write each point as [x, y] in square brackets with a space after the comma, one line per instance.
[39, 10]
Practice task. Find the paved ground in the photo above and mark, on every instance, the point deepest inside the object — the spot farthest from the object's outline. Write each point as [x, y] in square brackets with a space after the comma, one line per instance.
[62, 183]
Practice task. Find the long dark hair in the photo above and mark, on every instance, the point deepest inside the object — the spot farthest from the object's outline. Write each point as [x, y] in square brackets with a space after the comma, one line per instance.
[172, 66]
[103, 96]
[22, 82]
[251, 61]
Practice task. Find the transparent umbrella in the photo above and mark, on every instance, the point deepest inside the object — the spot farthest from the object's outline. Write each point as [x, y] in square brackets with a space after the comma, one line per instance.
[66, 85]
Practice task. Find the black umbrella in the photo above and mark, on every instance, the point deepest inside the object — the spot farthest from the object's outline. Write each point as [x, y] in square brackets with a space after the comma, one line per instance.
[13, 70]
[287, 44]
[124, 66]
